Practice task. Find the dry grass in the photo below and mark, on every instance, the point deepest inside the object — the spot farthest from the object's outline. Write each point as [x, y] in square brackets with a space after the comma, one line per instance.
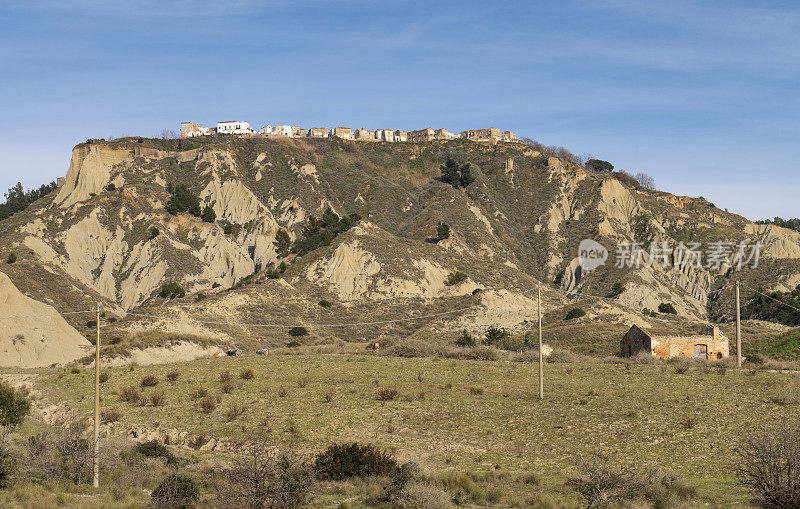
[473, 431]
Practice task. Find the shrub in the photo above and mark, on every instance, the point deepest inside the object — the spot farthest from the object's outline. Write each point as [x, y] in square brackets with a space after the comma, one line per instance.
[225, 377]
[149, 381]
[282, 243]
[324, 303]
[247, 374]
[234, 412]
[208, 215]
[343, 461]
[667, 308]
[227, 387]
[154, 232]
[109, 415]
[298, 332]
[788, 395]
[208, 404]
[262, 477]
[442, 231]
[411, 348]
[154, 449]
[456, 175]
[111, 187]
[273, 273]
[8, 467]
[61, 453]
[12, 257]
[465, 339]
[604, 483]
[574, 313]
[215, 285]
[416, 495]
[104, 376]
[173, 375]
[158, 398]
[387, 394]
[455, 277]
[182, 200]
[200, 392]
[769, 465]
[172, 289]
[14, 406]
[130, 394]
[495, 335]
[175, 492]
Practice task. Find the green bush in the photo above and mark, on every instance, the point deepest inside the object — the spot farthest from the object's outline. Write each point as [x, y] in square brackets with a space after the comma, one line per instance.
[344, 461]
[8, 467]
[321, 232]
[465, 339]
[14, 406]
[111, 187]
[455, 277]
[12, 257]
[442, 231]
[456, 175]
[296, 332]
[182, 200]
[273, 273]
[617, 288]
[208, 215]
[282, 243]
[172, 289]
[575, 313]
[153, 449]
[175, 492]
[154, 232]
[495, 335]
[667, 308]
[324, 303]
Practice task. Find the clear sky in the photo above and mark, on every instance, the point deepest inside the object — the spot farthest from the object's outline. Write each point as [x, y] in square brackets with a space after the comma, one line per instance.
[703, 96]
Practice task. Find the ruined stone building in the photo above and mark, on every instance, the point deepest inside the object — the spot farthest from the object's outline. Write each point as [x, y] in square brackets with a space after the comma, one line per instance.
[318, 132]
[421, 135]
[711, 345]
[509, 136]
[364, 134]
[343, 132]
[400, 135]
[190, 130]
[490, 134]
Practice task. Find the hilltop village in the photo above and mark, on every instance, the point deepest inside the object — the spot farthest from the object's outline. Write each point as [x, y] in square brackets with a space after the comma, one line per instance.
[490, 134]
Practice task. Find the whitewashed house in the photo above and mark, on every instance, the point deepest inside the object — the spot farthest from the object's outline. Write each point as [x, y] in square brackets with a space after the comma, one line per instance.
[233, 127]
[267, 129]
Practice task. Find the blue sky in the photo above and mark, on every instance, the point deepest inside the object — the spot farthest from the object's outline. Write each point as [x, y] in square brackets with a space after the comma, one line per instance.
[703, 96]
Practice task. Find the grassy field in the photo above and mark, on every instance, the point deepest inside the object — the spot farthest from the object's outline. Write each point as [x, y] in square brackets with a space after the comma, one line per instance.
[466, 416]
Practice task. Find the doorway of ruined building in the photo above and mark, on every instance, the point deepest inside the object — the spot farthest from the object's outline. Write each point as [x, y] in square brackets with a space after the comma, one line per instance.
[629, 351]
[700, 351]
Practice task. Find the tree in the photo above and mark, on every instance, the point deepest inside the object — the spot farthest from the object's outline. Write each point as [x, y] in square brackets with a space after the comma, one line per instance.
[167, 134]
[14, 406]
[450, 173]
[574, 313]
[646, 181]
[182, 200]
[282, 243]
[442, 231]
[617, 288]
[599, 165]
[208, 215]
[770, 465]
[465, 339]
[667, 308]
[456, 175]
[495, 335]
[466, 175]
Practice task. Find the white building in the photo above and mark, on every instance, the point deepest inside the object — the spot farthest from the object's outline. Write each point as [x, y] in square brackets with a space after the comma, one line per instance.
[233, 127]
[267, 129]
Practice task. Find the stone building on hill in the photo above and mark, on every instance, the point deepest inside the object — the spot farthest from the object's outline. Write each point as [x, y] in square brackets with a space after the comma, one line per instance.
[490, 134]
[711, 345]
[343, 132]
[427, 134]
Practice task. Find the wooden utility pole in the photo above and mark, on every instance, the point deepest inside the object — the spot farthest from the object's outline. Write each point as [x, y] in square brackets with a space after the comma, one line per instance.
[738, 330]
[541, 366]
[97, 403]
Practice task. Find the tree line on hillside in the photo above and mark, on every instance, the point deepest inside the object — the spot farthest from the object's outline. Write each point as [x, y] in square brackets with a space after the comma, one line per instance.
[774, 306]
[792, 224]
[17, 199]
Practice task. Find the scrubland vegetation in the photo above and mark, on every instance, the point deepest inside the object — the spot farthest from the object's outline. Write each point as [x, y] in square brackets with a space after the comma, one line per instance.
[421, 431]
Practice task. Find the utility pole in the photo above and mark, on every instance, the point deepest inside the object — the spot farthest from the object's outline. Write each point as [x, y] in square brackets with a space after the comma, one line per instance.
[97, 403]
[541, 366]
[738, 329]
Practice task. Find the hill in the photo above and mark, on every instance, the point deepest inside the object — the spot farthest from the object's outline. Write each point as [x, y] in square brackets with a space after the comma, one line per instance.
[108, 236]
